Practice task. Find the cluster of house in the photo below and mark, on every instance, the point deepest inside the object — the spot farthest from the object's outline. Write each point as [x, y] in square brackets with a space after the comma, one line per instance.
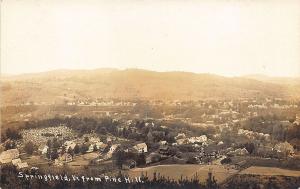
[100, 103]
[252, 135]
[35, 103]
[12, 156]
[268, 103]
[238, 152]
[128, 164]
[64, 158]
[93, 143]
[182, 139]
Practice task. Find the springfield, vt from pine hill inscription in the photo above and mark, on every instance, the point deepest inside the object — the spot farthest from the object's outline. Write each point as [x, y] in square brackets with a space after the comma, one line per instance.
[150, 94]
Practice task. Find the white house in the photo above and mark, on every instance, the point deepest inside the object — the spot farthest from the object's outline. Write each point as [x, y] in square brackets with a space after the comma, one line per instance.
[113, 148]
[66, 157]
[163, 142]
[141, 148]
[70, 144]
[181, 141]
[199, 139]
[8, 155]
[180, 136]
[16, 161]
[22, 165]
[111, 151]
[94, 139]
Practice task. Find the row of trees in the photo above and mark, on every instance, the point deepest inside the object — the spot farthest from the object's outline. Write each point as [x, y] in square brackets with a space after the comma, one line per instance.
[10, 133]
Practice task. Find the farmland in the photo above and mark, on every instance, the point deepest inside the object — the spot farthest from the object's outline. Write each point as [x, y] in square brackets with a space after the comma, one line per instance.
[176, 171]
[270, 171]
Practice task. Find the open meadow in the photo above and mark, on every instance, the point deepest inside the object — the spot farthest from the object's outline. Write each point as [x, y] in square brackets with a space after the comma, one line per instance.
[270, 171]
[190, 171]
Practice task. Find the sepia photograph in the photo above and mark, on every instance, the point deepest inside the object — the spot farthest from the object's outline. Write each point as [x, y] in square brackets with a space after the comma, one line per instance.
[141, 94]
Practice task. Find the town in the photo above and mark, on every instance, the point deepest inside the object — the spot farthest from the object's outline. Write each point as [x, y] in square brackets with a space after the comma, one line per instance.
[135, 137]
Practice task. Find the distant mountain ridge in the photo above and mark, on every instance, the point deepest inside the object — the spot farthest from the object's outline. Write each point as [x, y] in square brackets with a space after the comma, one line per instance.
[277, 80]
[67, 85]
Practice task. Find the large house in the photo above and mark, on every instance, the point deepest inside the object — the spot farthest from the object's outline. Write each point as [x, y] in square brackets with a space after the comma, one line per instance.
[19, 164]
[98, 146]
[111, 151]
[180, 136]
[16, 161]
[141, 148]
[181, 141]
[22, 165]
[8, 155]
[113, 148]
[65, 158]
[70, 144]
[199, 139]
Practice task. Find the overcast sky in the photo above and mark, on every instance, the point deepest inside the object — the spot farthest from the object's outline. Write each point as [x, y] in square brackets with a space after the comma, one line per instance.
[232, 37]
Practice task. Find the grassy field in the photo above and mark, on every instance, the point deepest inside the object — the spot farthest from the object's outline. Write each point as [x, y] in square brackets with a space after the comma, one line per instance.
[176, 171]
[83, 160]
[270, 171]
[35, 160]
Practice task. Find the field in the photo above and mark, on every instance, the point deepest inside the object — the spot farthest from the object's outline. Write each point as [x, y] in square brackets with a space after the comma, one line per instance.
[35, 161]
[176, 171]
[270, 171]
[83, 160]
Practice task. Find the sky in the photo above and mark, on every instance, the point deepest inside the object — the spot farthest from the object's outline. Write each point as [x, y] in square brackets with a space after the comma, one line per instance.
[225, 37]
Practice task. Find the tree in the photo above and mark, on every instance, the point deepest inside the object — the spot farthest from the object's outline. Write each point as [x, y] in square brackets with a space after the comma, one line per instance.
[119, 158]
[12, 134]
[55, 143]
[29, 148]
[84, 148]
[76, 149]
[250, 147]
[48, 154]
[103, 130]
[71, 151]
[134, 136]
[54, 154]
[3, 137]
[63, 150]
[211, 182]
[10, 145]
[95, 148]
[226, 160]
[141, 160]
[285, 148]
[49, 143]
[106, 149]
[170, 138]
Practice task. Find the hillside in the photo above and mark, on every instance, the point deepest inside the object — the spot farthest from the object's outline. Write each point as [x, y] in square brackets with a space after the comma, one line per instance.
[60, 85]
[276, 80]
